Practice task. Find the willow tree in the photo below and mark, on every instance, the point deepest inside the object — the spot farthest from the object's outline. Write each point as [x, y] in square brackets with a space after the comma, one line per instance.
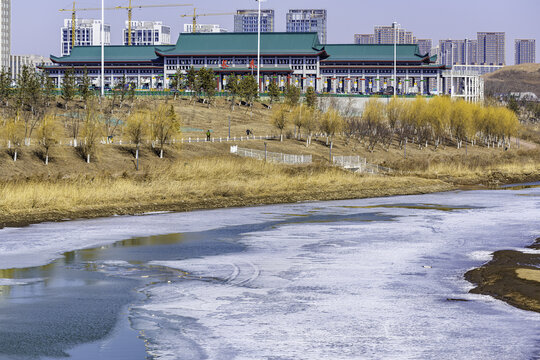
[280, 119]
[164, 124]
[331, 123]
[394, 111]
[91, 132]
[438, 115]
[311, 123]
[13, 132]
[460, 121]
[48, 134]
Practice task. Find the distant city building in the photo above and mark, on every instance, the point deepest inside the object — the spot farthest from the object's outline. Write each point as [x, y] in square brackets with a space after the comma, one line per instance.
[424, 45]
[5, 33]
[525, 51]
[364, 39]
[308, 20]
[491, 48]
[204, 28]
[87, 33]
[458, 52]
[385, 35]
[17, 62]
[248, 21]
[147, 33]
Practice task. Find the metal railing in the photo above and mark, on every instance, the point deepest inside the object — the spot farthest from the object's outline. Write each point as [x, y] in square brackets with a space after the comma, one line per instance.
[359, 164]
[280, 158]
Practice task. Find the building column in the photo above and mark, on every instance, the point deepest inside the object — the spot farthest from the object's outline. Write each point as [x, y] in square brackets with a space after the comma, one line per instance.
[363, 84]
[421, 84]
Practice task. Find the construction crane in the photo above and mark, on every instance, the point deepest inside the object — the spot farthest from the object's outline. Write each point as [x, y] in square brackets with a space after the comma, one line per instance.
[74, 20]
[195, 16]
[130, 9]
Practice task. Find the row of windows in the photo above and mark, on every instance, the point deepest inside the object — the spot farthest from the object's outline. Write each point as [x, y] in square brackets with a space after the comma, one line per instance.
[240, 61]
[373, 72]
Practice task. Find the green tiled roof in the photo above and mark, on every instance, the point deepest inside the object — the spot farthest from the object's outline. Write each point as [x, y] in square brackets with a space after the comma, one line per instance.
[384, 52]
[112, 53]
[244, 44]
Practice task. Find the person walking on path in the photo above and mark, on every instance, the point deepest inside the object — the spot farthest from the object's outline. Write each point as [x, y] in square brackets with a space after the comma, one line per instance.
[208, 135]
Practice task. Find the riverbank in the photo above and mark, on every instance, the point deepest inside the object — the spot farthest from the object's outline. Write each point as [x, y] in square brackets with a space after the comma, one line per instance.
[511, 276]
[70, 189]
[205, 183]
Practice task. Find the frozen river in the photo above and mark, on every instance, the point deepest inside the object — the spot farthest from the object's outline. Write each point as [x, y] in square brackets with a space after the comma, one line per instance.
[359, 279]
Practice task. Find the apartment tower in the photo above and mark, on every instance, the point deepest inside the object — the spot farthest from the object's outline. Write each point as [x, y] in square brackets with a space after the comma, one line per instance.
[87, 33]
[248, 21]
[5, 33]
[308, 20]
[491, 49]
[525, 51]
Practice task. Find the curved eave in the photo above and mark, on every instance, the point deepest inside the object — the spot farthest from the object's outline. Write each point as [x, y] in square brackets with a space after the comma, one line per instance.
[164, 54]
[370, 60]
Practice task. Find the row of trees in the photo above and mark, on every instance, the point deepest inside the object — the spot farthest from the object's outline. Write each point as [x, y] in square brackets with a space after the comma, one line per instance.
[439, 121]
[86, 128]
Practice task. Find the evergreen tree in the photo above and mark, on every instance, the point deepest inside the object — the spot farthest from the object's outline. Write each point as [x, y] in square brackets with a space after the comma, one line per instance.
[248, 89]
[273, 92]
[68, 87]
[311, 98]
[233, 86]
[48, 87]
[191, 81]
[84, 87]
[207, 84]
[5, 87]
[292, 95]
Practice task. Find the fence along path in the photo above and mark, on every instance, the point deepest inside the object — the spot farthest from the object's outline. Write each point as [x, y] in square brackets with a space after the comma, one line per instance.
[359, 164]
[281, 158]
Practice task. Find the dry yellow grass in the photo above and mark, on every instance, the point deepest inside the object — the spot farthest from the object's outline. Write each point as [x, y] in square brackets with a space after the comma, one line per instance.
[202, 183]
[528, 274]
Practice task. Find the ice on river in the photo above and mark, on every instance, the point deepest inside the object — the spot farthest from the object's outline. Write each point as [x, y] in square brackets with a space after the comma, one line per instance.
[353, 281]
[353, 290]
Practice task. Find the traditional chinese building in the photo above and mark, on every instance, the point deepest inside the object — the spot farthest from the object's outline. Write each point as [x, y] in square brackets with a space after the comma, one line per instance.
[286, 58]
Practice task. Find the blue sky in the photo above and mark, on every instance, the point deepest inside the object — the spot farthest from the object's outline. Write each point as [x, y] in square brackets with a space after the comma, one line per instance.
[36, 23]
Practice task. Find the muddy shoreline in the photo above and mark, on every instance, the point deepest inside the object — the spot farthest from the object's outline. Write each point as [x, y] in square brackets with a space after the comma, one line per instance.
[511, 276]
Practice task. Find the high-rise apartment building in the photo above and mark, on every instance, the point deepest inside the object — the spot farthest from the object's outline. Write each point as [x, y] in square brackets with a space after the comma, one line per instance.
[458, 52]
[491, 49]
[364, 38]
[525, 51]
[308, 20]
[5, 33]
[248, 21]
[204, 28]
[87, 33]
[424, 45]
[385, 35]
[147, 33]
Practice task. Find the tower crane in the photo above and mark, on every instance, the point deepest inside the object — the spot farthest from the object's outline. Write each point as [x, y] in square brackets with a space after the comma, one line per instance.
[74, 20]
[195, 16]
[130, 8]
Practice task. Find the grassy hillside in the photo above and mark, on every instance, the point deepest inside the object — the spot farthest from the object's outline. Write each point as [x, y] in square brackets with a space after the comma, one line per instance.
[516, 78]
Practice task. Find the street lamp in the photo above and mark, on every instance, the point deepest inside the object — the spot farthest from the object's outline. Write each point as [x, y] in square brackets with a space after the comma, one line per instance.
[102, 48]
[452, 71]
[395, 26]
[259, 47]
